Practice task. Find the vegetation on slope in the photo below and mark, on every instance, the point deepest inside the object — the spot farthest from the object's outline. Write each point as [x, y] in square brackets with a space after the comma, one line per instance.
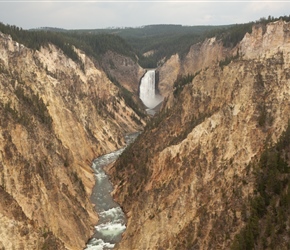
[181, 81]
[31, 105]
[93, 45]
[36, 39]
[129, 99]
[267, 226]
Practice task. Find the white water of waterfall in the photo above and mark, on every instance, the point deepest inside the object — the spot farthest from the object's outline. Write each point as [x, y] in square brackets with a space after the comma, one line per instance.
[147, 90]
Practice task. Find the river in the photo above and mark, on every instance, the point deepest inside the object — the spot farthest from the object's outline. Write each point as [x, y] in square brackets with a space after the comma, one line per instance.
[112, 221]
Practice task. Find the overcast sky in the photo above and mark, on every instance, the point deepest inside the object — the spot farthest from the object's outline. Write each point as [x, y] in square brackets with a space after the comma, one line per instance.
[131, 13]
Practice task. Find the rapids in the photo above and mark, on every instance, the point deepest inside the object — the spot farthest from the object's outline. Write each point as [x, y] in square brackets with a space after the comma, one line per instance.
[112, 221]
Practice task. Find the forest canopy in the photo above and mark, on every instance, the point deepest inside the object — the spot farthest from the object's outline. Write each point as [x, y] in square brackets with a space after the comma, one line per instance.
[162, 40]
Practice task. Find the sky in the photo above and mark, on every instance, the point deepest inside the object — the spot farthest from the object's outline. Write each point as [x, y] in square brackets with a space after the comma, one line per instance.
[93, 14]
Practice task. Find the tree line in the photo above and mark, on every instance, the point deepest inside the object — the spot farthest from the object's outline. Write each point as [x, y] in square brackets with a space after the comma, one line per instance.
[164, 40]
[93, 44]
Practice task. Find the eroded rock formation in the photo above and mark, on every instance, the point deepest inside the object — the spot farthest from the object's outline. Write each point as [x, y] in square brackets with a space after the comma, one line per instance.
[56, 117]
[187, 180]
[200, 56]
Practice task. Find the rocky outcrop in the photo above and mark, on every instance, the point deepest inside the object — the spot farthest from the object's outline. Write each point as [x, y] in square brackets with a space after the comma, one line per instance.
[266, 42]
[168, 74]
[200, 56]
[186, 181]
[56, 117]
[126, 71]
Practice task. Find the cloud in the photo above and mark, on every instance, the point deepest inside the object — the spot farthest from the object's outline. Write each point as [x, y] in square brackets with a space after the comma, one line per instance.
[90, 15]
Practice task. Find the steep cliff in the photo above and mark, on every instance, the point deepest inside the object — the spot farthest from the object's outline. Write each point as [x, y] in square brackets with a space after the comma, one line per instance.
[56, 117]
[123, 69]
[199, 57]
[187, 181]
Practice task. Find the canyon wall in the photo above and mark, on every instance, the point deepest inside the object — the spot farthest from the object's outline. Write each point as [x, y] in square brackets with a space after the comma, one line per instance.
[187, 180]
[123, 69]
[199, 57]
[56, 117]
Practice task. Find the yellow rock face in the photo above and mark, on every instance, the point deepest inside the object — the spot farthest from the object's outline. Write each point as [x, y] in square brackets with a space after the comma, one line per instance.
[200, 56]
[56, 117]
[191, 173]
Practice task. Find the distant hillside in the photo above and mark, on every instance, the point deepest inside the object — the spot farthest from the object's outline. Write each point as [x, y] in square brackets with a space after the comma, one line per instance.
[159, 41]
[163, 40]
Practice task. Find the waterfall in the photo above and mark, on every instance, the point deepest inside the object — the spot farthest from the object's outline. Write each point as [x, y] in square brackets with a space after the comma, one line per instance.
[147, 90]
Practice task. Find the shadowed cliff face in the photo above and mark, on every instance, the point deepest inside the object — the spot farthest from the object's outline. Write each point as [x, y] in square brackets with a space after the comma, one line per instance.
[56, 117]
[186, 181]
[123, 69]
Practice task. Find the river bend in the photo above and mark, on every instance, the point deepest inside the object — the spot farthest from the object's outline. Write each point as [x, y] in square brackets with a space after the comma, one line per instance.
[112, 221]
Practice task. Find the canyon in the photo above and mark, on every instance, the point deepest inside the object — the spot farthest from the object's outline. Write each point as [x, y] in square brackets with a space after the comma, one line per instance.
[56, 117]
[189, 179]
